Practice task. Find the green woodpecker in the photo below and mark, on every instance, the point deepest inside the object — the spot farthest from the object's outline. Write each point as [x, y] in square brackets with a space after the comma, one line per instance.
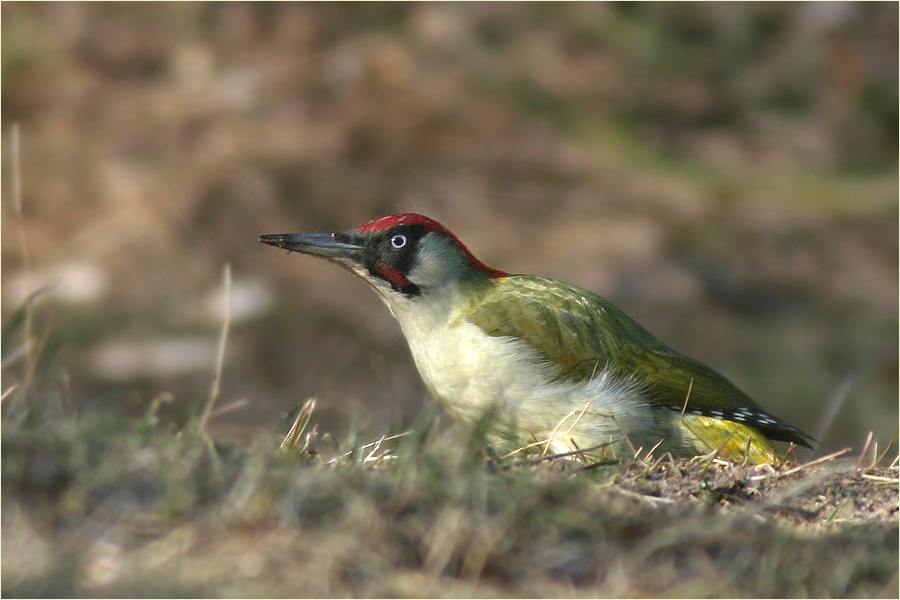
[549, 366]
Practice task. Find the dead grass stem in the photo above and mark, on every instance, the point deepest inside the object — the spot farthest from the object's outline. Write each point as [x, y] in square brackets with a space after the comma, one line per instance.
[220, 354]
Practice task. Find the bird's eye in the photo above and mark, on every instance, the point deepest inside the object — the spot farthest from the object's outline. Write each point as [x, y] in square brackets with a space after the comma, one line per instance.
[398, 241]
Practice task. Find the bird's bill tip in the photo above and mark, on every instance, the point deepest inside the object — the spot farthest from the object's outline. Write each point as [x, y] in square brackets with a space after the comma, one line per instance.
[272, 239]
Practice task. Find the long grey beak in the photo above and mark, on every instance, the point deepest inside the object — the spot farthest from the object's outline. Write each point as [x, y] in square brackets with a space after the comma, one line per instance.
[317, 244]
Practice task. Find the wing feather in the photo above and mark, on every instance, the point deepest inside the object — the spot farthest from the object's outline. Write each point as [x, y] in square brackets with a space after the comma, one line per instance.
[583, 334]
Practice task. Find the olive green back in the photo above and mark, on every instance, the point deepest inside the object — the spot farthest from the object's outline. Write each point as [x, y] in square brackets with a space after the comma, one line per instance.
[584, 334]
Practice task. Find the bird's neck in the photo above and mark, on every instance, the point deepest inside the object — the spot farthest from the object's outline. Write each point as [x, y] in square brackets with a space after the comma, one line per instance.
[438, 307]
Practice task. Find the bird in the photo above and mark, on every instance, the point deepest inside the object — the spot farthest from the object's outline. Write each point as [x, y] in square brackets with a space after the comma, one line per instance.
[543, 366]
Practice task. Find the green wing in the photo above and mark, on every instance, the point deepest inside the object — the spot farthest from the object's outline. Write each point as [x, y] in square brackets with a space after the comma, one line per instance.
[584, 334]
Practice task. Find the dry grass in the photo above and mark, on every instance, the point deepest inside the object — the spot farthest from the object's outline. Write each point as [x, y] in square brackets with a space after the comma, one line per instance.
[106, 505]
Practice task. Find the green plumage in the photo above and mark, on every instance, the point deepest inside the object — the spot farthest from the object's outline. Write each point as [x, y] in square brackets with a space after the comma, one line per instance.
[453, 310]
[584, 334]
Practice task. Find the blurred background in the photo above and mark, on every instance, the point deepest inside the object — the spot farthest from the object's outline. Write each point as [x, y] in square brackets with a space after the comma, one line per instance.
[725, 173]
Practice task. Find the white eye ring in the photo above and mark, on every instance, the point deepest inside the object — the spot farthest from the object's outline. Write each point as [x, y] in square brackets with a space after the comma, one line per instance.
[398, 241]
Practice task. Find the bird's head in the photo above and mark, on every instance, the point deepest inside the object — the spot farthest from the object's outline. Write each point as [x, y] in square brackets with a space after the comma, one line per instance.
[405, 254]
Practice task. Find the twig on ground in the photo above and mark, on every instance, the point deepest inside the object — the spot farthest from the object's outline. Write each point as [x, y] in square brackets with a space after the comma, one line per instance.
[580, 451]
[11, 389]
[237, 404]
[865, 449]
[811, 463]
[887, 450]
[299, 425]
[836, 511]
[28, 345]
[377, 444]
[881, 479]
[220, 358]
